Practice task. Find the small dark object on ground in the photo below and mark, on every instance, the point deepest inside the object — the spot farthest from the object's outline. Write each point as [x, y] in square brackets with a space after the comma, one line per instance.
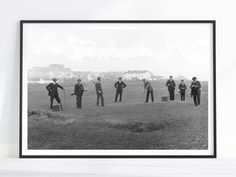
[56, 107]
[164, 99]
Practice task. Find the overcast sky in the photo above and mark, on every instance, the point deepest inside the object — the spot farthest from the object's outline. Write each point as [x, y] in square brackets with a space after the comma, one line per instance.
[164, 49]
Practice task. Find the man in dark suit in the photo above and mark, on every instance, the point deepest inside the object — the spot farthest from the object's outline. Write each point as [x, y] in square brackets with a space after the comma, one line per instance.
[171, 87]
[148, 88]
[53, 92]
[195, 91]
[98, 88]
[119, 85]
[78, 92]
[182, 89]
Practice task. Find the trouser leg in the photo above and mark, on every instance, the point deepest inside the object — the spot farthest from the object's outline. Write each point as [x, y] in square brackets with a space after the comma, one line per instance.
[102, 99]
[199, 97]
[98, 99]
[152, 96]
[51, 101]
[147, 96]
[169, 93]
[182, 95]
[120, 96]
[77, 102]
[58, 100]
[80, 102]
[173, 94]
[116, 96]
[195, 99]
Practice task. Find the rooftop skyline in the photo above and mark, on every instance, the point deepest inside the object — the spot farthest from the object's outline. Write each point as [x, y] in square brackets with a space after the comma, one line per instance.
[63, 69]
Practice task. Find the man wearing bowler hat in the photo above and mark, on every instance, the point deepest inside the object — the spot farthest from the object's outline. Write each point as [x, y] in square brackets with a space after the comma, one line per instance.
[195, 91]
[53, 92]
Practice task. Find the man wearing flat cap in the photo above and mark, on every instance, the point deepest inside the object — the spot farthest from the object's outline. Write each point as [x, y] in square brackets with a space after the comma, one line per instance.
[182, 89]
[53, 92]
[119, 85]
[195, 91]
[171, 87]
[149, 90]
[78, 92]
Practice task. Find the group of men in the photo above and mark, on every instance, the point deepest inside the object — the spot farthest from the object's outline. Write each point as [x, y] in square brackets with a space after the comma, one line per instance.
[195, 87]
[120, 85]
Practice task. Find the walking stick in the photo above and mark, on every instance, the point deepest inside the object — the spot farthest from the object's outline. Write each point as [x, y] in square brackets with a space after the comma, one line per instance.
[65, 97]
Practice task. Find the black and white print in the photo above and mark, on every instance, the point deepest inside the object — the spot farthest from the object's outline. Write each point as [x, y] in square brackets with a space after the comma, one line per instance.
[113, 88]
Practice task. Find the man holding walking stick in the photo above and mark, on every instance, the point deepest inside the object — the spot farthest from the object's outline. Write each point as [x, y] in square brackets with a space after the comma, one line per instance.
[78, 92]
[53, 92]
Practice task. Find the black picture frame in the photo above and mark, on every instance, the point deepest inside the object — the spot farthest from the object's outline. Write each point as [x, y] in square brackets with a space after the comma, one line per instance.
[212, 22]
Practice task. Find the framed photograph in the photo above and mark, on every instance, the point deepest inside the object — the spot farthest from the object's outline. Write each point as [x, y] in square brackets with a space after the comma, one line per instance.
[111, 89]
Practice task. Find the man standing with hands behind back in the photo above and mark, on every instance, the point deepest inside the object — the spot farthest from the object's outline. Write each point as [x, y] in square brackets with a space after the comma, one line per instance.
[171, 87]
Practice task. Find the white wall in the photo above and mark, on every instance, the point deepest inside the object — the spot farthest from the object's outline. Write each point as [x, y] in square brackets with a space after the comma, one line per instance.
[11, 11]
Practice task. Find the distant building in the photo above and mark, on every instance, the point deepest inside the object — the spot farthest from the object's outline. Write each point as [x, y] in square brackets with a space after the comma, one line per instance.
[138, 75]
[40, 81]
[42, 74]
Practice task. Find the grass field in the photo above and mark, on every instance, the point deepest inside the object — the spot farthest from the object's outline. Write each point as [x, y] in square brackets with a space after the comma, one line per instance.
[130, 124]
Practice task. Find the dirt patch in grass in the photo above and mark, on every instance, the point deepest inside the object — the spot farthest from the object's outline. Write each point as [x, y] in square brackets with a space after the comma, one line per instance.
[47, 116]
[134, 126]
